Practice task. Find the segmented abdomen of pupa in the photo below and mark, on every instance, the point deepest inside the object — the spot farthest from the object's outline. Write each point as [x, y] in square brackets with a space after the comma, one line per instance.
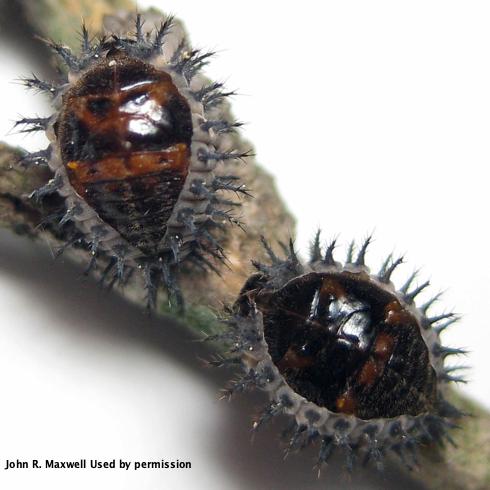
[355, 363]
[125, 135]
[136, 139]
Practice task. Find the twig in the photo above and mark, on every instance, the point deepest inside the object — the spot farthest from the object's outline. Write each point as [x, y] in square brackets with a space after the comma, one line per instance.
[465, 466]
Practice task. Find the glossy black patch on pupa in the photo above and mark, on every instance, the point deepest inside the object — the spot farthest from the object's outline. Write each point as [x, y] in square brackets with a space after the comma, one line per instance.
[139, 140]
[352, 360]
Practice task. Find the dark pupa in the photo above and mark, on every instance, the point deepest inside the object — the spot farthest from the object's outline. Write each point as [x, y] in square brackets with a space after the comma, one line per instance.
[139, 142]
[357, 366]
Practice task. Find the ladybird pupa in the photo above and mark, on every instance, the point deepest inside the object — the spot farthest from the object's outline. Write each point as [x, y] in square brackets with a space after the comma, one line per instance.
[353, 361]
[136, 140]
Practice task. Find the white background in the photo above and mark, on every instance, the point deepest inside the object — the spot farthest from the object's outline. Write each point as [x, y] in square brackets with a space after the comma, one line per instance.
[373, 116]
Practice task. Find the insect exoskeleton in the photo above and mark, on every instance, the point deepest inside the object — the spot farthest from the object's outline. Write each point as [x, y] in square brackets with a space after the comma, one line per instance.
[352, 360]
[139, 145]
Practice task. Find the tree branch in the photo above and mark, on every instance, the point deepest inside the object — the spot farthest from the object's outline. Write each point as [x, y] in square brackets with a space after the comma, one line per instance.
[465, 466]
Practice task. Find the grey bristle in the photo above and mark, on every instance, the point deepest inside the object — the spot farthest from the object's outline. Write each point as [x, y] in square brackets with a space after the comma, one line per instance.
[425, 307]
[49, 188]
[226, 183]
[361, 256]
[106, 272]
[449, 378]
[202, 93]
[409, 297]
[139, 28]
[240, 385]
[443, 351]
[328, 258]
[315, 249]
[438, 318]
[273, 409]
[389, 271]
[272, 256]
[150, 286]
[42, 86]
[32, 124]
[327, 448]
[161, 33]
[224, 155]
[350, 253]
[175, 298]
[91, 265]
[69, 214]
[64, 52]
[409, 282]
[221, 126]
[120, 267]
[384, 266]
[297, 433]
[292, 252]
[187, 218]
[218, 215]
[85, 42]
[440, 328]
[216, 98]
[71, 241]
[189, 64]
[175, 243]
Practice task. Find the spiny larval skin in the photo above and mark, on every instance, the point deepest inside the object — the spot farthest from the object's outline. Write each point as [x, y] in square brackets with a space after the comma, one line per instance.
[354, 362]
[137, 140]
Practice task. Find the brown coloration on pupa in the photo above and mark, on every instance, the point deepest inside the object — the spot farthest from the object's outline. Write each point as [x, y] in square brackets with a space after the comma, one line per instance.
[125, 135]
[136, 138]
[333, 325]
[352, 360]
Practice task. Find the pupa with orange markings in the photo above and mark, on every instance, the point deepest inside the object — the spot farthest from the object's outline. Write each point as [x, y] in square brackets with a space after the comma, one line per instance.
[135, 141]
[354, 363]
